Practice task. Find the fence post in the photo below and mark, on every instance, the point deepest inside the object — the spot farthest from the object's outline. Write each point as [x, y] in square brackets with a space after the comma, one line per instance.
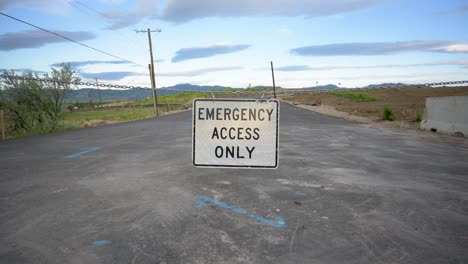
[2, 121]
[273, 77]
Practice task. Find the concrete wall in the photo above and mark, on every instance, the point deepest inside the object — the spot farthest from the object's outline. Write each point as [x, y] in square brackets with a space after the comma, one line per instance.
[446, 114]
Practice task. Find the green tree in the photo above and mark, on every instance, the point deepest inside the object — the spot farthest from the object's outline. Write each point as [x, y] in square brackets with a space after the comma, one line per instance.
[35, 106]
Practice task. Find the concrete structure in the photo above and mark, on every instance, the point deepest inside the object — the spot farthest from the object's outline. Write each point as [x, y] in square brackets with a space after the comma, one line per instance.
[446, 114]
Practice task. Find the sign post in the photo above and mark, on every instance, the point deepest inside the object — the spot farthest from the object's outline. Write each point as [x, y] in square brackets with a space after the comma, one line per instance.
[235, 133]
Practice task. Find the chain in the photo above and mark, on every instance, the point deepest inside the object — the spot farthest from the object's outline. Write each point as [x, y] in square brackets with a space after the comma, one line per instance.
[233, 91]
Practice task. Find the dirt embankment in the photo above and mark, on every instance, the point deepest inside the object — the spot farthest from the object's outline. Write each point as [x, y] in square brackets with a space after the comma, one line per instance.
[405, 103]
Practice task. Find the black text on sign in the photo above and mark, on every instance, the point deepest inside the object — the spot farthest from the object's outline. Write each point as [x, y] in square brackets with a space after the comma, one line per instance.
[235, 133]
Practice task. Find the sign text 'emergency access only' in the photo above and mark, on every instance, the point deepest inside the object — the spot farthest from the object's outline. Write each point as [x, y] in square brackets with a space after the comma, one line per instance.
[235, 133]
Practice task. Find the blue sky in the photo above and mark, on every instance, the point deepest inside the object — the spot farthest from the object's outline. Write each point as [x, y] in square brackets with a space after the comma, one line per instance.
[215, 42]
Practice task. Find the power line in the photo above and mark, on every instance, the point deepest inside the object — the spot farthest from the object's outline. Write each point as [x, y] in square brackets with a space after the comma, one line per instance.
[92, 9]
[77, 7]
[72, 40]
[85, 10]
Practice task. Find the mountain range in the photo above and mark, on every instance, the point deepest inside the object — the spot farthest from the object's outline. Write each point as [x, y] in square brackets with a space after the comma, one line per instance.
[110, 95]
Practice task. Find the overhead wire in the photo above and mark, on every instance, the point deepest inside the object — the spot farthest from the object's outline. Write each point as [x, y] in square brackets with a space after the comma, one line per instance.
[70, 2]
[74, 3]
[80, 6]
[72, 40]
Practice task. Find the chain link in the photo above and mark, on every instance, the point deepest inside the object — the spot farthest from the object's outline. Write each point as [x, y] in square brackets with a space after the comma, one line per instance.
[234, 91]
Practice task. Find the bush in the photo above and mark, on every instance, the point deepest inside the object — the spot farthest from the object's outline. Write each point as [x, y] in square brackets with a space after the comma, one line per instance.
[33, 106]
[388, 114]
[418, 117]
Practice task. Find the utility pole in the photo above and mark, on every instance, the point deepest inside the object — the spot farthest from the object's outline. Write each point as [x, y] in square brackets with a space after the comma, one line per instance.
[273, 76]
[99, 91]
[152, 75]
[153, 85]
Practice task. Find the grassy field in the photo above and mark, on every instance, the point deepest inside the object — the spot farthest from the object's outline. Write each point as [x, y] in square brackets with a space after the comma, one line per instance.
[355, 96]
[406, 103]
[116, 115]
[134, 110]
[129, 110]
[173, 99]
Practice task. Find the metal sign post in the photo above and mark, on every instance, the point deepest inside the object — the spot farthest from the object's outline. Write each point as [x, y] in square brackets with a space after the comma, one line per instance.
[235, 133]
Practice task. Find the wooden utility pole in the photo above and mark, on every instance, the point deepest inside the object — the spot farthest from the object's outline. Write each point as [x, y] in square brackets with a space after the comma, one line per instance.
[152, 75]
[273, 76]
[153, 85]
[2, 121]
[99, 91]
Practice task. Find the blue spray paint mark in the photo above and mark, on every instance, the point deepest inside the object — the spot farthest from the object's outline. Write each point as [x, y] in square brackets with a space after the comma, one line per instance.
[101, 242]
[299, 193]
[202, 200]
[84, 151]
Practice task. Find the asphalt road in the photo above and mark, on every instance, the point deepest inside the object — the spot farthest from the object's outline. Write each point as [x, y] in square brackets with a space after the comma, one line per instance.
[343, 193]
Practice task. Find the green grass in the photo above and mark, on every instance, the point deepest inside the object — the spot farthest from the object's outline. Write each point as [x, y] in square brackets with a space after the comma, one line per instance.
[73, 120]
[182, 98]
[388, 114]
[178, 99]
[175, 101]
[253, 89]
[418, 118]
[118, 115]
[355, 96]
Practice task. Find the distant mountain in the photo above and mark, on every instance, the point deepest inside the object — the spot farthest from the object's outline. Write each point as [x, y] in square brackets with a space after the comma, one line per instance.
[372, 86]
[110, 95]
[324, 87]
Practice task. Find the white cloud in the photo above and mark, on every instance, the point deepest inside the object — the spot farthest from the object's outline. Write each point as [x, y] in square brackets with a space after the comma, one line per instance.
[379, 48]
[207, 51]
[185, 10]
[37, 38]
[111, 2]
[455, 48]
[196, 72]
[121, 19]
[284, 30]
[59, 7]
[297, 68]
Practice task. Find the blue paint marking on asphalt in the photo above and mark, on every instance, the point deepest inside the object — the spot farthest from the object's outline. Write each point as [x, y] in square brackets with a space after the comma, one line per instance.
[101, 242]
[84, 151]
[299, 193]
[202, 200]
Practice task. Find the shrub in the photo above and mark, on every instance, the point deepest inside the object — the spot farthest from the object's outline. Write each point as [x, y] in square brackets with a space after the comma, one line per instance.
[388, 114]
[32, 106]
[418, 117]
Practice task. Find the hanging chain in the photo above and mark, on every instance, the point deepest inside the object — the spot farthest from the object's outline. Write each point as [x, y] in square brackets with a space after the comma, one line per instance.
[233, 91]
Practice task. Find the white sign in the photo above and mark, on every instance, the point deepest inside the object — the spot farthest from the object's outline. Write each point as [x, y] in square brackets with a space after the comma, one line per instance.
[235, 133]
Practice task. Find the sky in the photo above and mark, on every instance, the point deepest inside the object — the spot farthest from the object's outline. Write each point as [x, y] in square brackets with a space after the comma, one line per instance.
[350, 43]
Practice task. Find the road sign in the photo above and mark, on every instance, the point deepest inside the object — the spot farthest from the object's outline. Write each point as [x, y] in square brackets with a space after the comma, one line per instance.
[235, 133]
